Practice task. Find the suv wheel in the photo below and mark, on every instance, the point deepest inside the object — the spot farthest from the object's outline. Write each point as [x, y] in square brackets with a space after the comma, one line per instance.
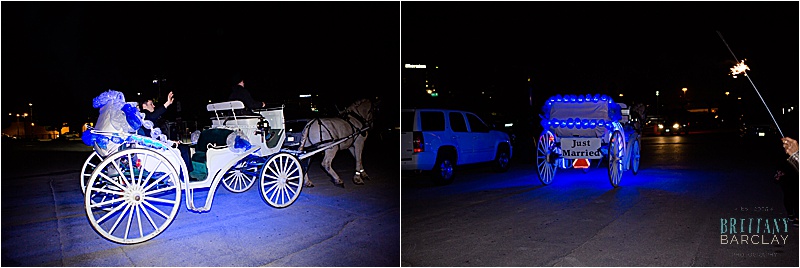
[443, 171]
[501, 160]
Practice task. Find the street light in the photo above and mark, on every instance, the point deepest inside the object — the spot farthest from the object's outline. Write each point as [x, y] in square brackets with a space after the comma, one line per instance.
[727, 93]
[31, 105]
[658, 112]
[17, 125]
[684, 92]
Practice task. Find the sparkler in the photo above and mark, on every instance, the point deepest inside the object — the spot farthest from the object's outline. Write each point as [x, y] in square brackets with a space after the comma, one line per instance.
[742, 68]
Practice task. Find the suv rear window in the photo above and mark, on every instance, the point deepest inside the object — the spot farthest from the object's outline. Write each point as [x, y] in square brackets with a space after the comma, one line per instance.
[431, 121]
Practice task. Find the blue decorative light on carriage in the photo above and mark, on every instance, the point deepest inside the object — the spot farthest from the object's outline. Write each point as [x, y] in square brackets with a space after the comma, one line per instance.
[580, 98]
[596, 97]
[593, 123]
[572, 98]
[559, 98]
[563, 123]
[601, 123]
[603, 98]
[570, 123]
[585, 123]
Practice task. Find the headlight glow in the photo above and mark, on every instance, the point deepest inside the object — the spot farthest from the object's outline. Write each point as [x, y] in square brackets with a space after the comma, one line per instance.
[676, 126]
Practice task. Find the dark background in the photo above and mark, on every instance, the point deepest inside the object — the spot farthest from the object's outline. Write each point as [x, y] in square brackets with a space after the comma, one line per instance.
[633, 48]
[60, 55]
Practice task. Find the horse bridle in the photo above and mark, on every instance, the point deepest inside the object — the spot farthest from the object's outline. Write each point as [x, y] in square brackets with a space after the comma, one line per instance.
[364, 122]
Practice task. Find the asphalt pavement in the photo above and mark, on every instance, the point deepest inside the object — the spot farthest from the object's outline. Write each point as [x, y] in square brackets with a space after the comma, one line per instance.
[691, 204]
[44, 221]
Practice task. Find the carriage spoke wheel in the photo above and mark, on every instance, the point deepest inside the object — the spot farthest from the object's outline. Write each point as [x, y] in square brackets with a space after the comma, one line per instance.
[281, 180]
[616, 150]
[89, 165]
[635, 155]
[132, 196]
[545, 165]
[241, 176]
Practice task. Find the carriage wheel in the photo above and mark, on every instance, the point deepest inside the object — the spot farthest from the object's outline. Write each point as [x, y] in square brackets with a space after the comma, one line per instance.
[281, 180]
[635, 155]
[132, 196]
[615, 156]
[546, 166]
[88, 166]
[241, 176]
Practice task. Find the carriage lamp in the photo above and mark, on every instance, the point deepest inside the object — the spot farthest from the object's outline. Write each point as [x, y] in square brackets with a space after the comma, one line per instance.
[660, 126]
[676, 126]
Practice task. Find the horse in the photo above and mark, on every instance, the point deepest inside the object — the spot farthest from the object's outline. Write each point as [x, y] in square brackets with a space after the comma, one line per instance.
[352, 122]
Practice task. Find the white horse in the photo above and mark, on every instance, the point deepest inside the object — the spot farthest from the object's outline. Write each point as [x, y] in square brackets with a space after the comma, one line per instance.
[352, 122]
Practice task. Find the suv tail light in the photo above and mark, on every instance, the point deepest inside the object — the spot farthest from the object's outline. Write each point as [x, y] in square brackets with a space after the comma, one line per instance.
[419, 142]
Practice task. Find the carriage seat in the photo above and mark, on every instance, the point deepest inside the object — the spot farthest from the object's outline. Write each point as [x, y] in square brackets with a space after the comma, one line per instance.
[216, 136]
[223, 110]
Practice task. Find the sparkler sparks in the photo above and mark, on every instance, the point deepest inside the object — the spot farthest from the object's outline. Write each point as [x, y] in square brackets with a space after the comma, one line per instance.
[739, 68]
[742, 67]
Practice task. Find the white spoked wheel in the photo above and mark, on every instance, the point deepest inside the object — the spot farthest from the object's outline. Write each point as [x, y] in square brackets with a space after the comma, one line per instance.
[545, 164]
[88, 167]
[615, 155]
[635, 155]
[241, 176]
[281, 180]
[132, 196]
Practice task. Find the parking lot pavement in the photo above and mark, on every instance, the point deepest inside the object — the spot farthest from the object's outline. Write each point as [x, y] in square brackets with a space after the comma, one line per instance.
[44, 221]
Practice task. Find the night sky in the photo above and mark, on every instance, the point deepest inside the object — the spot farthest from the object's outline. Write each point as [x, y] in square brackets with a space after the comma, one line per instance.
[60, 55]
[634, 48]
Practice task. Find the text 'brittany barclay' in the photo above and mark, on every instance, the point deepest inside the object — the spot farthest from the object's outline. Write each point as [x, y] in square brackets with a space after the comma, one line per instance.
[754, 231]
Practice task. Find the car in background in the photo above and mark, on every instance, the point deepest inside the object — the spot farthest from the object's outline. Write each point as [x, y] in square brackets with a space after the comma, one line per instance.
[669, 127]
[436, 141]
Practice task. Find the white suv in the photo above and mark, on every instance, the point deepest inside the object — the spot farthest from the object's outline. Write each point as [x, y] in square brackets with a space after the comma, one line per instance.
[437, 140]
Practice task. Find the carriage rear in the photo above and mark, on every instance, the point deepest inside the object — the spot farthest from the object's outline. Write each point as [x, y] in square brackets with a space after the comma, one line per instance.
[581, 131]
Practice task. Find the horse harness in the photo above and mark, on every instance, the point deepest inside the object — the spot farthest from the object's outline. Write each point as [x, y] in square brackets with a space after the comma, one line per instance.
[346, 117]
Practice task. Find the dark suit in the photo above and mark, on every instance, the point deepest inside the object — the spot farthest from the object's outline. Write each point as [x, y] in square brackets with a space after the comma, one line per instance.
[241, 94]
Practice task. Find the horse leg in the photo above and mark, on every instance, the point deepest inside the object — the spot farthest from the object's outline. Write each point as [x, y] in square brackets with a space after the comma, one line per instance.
[361, 175]
[326, 165]
[307, 181]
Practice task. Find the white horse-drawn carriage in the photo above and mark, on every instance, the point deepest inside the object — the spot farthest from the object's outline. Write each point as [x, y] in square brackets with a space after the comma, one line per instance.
[133, 183]
[581, 129]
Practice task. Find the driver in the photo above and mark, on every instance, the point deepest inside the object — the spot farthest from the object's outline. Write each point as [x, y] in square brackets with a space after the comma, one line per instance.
[238, 92]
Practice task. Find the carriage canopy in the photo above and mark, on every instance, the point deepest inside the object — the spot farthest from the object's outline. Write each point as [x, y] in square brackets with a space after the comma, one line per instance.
[580, 115]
